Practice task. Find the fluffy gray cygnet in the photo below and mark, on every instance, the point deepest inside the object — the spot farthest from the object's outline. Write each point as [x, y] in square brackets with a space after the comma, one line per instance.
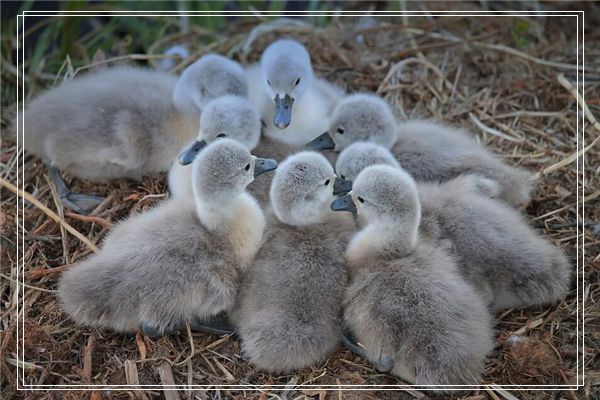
[123, 122]
[180, 262]
[288, 315]
[407, 304]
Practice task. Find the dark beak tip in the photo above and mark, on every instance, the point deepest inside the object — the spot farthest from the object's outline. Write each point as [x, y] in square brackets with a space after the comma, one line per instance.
[264, 165]
[183, 159]
[333, 206]
[271, 164]
[321, 142]
[344, 203]
[189, 155]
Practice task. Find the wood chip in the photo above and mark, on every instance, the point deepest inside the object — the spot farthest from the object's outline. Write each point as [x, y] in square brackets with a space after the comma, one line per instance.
[86, 372]
[166, 378]
[133, 379]
[131, 373]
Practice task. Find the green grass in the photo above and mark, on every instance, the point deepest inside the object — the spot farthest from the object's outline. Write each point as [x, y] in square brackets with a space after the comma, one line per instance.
[519, 33]
[69, 35]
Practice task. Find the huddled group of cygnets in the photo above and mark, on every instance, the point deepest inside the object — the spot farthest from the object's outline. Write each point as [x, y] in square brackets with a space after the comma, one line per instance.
[403, 252]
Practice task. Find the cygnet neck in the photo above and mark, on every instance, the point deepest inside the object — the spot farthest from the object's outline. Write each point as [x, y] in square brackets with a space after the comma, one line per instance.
[218, 214]
[240, 222]
[394, 238]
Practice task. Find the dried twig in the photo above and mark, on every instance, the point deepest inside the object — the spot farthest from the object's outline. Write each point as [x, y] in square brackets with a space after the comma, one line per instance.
[514, 52]
[59, 208]
[569, 159]
[26, 285]
[40, 272]
[580, 101]
[492, 131]
[192, 351]
[89, 218]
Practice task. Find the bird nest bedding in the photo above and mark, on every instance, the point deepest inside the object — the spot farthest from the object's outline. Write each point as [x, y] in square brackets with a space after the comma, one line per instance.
[514, 89]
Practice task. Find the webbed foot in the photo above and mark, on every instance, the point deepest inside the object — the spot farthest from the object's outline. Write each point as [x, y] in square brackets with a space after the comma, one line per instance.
[153, 332]
[150, 331]
[81, 203]
[78, 202]
[215, 325]
[383, 364]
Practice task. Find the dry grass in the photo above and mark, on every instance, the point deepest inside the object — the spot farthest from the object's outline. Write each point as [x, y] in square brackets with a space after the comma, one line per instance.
[472, 72]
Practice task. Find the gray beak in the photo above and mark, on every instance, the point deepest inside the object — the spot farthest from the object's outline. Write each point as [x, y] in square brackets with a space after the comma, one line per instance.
[189, 154]
[341, 186]
[262, 165]
[322, 142]
[344, 203]
[283, 111]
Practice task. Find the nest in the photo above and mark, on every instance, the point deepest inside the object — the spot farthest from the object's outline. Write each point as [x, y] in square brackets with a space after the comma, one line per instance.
[514, 88]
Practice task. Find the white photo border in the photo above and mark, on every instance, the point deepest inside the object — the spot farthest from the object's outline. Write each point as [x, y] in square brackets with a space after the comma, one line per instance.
[580, 146]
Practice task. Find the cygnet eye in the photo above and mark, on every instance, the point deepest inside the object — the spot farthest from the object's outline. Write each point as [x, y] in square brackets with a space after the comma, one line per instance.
[327, 182]
[361, 199]
[269, 82]
[343, 177]
[221, 135]
[297, 82]
[340, 131]
[247, 167]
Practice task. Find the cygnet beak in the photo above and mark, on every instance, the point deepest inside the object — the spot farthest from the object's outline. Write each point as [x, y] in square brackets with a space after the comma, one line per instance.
[262, 165]
[341, 186]
[189, 154]
[344, 203]
[283, 111]
[322, 142]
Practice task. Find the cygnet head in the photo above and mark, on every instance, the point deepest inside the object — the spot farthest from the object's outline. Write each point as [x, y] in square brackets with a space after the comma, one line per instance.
[210, 77]
[361, 155]
[302, 189]
[223, 169]
[287, 74]
[358, 118]
[233, 117]
[387, 197]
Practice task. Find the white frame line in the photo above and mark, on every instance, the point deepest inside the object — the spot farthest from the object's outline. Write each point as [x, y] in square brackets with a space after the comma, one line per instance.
[20, 284]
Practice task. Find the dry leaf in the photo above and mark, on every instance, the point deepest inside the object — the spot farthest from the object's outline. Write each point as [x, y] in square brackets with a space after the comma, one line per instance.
[139, 340]
[96, 395]
[132, 197]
